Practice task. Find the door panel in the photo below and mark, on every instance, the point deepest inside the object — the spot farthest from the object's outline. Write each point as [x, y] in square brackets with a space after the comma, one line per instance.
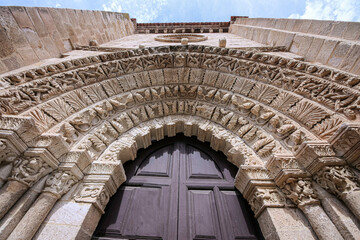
[204, 222]
[181, 189]
[143, 213]
[237, 225]
[158, 164]
[200, 164]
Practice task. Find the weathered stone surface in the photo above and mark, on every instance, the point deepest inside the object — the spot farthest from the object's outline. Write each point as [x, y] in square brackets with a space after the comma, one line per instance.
[285, 223]
[282, 120]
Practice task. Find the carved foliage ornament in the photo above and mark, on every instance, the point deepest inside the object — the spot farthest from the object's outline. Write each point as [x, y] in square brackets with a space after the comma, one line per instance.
[300, 191]
[339, 180]
[29, 170]
[60, 183]
[7, 151]
[266, 197]
[93, 193]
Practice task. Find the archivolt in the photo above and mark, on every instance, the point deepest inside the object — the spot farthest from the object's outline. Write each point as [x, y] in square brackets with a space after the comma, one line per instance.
[93, 114]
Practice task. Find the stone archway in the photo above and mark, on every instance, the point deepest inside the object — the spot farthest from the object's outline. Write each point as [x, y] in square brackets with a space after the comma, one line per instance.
[281, 121]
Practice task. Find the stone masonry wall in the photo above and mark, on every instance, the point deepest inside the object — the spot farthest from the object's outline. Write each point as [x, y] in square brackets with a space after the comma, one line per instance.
[336, 44]
[29, 35]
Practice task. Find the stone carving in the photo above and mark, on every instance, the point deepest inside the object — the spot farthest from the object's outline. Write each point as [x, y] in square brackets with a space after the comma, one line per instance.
[328, 127]
[339, 180]
[270, 70]
[300, 191]
[29, 170]
[58, 109]
[93, 193]
[60, 182]
[266, 197]
[7, 152]
[306, 110]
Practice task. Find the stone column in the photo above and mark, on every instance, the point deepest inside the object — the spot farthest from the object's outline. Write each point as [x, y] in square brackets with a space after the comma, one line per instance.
[342, 182]
[56, 186]
[346, 222]
[13, 217]
[277, 221]
[76, 220]
[27, 170]
[301, 192]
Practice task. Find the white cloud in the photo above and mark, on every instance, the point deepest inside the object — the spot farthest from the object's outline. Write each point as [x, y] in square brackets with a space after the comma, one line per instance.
[112, 6]
[144, 11]
[340, 10]
[57, 5]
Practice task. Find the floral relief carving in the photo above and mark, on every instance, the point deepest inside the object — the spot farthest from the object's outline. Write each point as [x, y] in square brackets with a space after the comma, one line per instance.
[300, 191]
[60, 182]
[266, 197]
[339, 180]
[29, 170]
[93, 193]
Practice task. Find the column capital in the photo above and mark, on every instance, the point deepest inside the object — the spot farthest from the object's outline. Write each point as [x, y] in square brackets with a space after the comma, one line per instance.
[338, 180]
[264, 197]
[300, 191]
[60, 182]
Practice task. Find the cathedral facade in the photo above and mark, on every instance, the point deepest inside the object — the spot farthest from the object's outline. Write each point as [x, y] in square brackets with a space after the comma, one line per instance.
[85, 94]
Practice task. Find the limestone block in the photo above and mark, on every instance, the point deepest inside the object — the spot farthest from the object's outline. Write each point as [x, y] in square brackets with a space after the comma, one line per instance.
[7, 47]
[284, 223]
[339, 54]
[352, 31]
[82, 217]
[326, 50]
[37, 22]
[356, 68]
[290, 23]
[314, 48]
[280, 23]
[301, 44]
[13, 31]
[27, 54]
[338, 29]
[320, 27]
[350, 59]
[301, 25]
[13, 61]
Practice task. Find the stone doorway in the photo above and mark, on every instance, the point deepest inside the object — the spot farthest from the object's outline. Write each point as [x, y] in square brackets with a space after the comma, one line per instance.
[179, 188]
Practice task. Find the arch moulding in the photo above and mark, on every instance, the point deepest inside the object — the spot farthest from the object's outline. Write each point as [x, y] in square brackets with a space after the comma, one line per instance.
[66, 130]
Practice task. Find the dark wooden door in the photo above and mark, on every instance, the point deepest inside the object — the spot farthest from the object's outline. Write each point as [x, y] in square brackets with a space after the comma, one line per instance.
[179, 188]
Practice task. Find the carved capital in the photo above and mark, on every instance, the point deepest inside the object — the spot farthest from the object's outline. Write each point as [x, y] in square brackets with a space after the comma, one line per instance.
[264, 197]
[60, 182]
[7, 151]
[338, 180]
[93, 193]
[300, 191]
[312, 151]
[29, 169]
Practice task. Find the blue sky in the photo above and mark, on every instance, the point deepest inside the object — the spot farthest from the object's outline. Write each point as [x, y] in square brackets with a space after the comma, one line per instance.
[210, 10]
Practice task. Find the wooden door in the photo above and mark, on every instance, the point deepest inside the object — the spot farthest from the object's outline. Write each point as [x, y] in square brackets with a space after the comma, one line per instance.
[179, 188]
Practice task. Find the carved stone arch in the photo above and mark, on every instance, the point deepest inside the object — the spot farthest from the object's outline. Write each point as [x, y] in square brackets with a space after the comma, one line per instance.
[309, 112]
[110, 162]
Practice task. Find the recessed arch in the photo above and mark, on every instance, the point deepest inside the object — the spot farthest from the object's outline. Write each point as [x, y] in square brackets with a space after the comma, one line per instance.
[297, 111]
[213, 184]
